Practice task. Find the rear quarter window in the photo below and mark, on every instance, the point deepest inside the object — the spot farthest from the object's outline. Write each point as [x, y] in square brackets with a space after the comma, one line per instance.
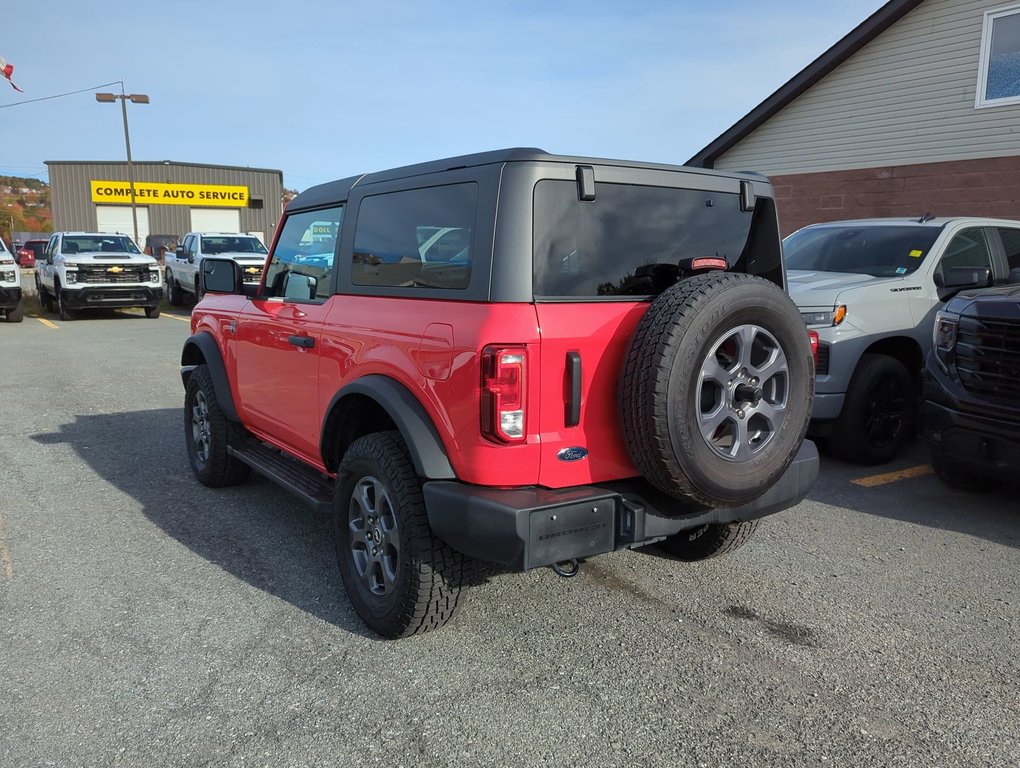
[418, 238]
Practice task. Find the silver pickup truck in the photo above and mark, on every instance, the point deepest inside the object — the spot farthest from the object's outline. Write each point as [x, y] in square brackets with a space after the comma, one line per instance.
[185, 263]
[870, 290]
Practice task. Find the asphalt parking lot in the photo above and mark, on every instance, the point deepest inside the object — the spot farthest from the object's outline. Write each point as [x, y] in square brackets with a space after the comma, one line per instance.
[148, 620]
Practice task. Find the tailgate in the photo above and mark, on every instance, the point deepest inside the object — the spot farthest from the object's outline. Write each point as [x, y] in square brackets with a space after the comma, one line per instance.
[593, 338]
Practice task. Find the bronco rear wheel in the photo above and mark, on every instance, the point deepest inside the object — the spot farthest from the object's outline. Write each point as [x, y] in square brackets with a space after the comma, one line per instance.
[401, 579]
[717, 388]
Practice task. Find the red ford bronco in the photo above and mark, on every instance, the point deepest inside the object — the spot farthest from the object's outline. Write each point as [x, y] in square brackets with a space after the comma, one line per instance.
[514, 357]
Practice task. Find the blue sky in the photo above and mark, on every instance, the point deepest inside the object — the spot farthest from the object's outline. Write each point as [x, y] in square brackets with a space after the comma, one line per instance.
[323, 90]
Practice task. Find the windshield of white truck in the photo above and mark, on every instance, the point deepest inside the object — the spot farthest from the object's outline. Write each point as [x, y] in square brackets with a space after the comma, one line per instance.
[214, 245]
[879, 251]
[98, 244]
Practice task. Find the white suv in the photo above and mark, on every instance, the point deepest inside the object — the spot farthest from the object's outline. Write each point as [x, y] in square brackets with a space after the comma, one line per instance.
[10, 286]
[95, 270]
[184, 266]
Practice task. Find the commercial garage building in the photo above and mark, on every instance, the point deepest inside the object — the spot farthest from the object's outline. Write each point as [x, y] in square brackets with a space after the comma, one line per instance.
[170, 198]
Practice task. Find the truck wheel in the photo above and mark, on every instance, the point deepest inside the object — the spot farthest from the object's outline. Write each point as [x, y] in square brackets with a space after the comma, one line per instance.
[208, 432]
[16, 315]
[45, 300]
[152, 311]
[709, 540]
[173, 290]
[62, 309]
[400, 578]
[957, 478]
[717, 388]
[878, 415]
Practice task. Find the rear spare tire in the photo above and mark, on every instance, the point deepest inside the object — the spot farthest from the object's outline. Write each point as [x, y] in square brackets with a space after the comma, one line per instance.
[717, 388]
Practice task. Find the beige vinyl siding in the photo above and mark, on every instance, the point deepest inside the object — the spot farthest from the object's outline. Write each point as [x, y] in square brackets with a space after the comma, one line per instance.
[906, 97]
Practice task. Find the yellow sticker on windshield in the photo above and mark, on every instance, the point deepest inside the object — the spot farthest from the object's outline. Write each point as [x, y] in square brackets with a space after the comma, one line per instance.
[915, 254]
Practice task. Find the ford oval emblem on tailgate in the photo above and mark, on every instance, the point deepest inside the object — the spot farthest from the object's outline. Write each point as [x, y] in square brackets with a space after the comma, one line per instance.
[572, 454]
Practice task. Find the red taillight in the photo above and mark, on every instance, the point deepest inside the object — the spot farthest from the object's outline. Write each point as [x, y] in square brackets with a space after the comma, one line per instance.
[813, 337]
[504, 382]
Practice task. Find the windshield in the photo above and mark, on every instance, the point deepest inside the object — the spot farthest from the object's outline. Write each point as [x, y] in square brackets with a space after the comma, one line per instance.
[98, 244]
[214, 245]
[879, 251]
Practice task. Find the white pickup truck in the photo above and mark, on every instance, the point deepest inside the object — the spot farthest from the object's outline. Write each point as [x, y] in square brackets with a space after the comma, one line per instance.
[870, 290]
[10, 286]
[95, 270]
[185, 264]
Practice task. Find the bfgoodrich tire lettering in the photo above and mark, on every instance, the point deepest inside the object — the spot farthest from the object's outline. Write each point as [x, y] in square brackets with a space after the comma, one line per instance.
[717, 388]
[710, 540]
[208, 432]
[401, 579]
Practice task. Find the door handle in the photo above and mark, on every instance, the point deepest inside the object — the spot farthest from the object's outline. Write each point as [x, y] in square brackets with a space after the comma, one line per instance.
[573, 414]
[302, 341]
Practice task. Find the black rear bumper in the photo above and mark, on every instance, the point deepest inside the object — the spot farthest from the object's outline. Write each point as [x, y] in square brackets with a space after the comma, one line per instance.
[111, 297]
[526, 528]
[10, 298]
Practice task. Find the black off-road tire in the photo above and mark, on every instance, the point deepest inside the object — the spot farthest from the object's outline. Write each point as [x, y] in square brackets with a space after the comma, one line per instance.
[877, 419]
[16, 315]
[152, 311]
[664, 387]
[710, 540]
[207, 453]
[173, 290]
[45, 299]
[65, 313]
[957, 478]
[426, 575]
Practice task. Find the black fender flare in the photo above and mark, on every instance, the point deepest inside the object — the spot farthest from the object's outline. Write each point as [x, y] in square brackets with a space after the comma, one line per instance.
[202, 347]
[420, 435]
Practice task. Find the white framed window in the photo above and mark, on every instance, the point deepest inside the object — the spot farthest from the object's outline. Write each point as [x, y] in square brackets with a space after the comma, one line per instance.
[999, 70]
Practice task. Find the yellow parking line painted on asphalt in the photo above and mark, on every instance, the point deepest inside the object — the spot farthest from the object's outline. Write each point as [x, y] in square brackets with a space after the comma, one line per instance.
[892, 477]
[5, 554]
[176, 317]
[45, 322]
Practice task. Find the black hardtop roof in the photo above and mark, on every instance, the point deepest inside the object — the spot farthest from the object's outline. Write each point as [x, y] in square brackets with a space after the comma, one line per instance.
[336, 191]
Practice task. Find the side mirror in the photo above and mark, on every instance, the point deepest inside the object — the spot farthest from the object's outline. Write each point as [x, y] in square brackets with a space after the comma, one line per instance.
[221, 276]
[298, 286]
[179, 252]
[1014, 276]
[958, 278]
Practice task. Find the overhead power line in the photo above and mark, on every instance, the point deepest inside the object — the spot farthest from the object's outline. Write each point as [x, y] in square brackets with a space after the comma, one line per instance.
[58, 96]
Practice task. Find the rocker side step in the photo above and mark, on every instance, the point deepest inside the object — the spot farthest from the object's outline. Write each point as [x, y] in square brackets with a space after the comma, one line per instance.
[304, 482]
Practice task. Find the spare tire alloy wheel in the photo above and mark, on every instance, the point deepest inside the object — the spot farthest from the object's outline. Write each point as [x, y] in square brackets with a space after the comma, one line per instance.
[743, 389]
[717, 388]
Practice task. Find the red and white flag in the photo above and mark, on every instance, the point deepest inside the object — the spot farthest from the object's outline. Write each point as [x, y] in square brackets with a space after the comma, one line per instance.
[8, 70]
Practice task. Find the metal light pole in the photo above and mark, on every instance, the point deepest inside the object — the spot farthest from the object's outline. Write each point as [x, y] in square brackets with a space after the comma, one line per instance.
[134, 98]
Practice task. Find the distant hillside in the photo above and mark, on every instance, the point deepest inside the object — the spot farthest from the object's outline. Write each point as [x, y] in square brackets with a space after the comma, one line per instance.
[24, 206]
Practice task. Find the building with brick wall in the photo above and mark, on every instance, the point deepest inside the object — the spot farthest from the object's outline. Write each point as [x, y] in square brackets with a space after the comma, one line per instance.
[917, 109]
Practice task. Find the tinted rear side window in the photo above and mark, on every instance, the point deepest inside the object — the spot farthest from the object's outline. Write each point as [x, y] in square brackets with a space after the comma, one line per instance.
[419, 238]
[1011, 243]
[629, 240]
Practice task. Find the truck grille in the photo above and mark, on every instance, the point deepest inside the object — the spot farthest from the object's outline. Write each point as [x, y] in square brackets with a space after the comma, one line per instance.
[251, 274]
[122, 273]
[988, 358]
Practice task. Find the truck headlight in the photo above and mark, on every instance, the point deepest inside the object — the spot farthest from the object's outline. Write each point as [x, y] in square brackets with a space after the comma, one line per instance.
[10, 276]
[946, 326]
[153, 275]
[828, 318]
[70, 276]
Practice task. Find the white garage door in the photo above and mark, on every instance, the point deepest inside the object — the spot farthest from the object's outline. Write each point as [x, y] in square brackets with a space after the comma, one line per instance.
[117, 218]
[215, 220]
